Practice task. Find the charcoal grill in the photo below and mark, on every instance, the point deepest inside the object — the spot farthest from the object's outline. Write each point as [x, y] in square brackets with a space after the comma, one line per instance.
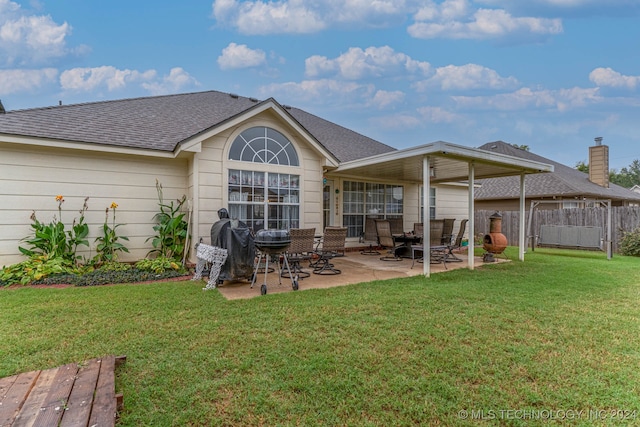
[273, 244]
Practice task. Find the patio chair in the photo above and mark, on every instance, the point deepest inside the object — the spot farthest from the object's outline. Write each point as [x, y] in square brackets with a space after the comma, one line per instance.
[333, 245]
[418, 229]
[300, 249]
[436, 230]
[397, 225]
[370, 235]
[457, 243]
[447, 230]
[386, 240]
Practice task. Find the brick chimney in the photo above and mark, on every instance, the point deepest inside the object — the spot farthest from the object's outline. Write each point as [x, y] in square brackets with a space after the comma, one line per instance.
[599, 163]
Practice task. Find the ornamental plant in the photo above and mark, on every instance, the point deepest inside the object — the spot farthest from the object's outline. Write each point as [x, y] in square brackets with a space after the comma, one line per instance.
[108, 244]
[171, 228]
[630, 243]
[53, 240]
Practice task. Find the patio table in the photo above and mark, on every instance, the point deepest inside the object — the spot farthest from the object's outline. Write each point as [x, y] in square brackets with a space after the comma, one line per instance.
[408, 241]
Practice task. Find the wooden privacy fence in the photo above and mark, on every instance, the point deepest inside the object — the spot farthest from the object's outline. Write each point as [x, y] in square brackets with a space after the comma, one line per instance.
[623, 219]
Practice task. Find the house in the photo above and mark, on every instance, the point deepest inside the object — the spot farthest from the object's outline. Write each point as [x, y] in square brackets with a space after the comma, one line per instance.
[569, 187]
[270, 165]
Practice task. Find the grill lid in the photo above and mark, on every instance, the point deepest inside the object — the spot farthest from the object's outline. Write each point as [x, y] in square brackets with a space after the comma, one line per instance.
[272, 238]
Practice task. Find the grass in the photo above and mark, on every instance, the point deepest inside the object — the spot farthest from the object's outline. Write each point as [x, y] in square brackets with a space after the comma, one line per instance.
[556, 333]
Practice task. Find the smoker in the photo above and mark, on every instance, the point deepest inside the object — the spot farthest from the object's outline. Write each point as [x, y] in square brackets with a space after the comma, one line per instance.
[236, 237]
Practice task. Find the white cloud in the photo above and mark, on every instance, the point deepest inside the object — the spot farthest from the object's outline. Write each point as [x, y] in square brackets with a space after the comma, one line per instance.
[14, 81]
[560, 100]
[257, 17]
[30, 39]
[240, 56]
[398, 122]
[455, 19]
[308, 16]
[177, 80]
[611, 78]
[383, 99]
[314, 90]
[438, 115]
[88, 79]
[466, 77]
[113, 79]
[447, 19]
[372, 62]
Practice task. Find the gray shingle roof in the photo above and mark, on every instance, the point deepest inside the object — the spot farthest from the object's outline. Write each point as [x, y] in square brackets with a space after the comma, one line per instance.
[564, 181]
[163, 122]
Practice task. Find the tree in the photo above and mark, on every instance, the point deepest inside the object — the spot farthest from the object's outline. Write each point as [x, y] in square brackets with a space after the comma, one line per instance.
[627, 177]
[582, 166]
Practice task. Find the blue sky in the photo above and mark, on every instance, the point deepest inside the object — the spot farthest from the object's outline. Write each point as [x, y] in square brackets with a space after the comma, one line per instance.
[550, 74]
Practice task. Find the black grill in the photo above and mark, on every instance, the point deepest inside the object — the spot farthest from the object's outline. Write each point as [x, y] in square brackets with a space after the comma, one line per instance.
[272, 241]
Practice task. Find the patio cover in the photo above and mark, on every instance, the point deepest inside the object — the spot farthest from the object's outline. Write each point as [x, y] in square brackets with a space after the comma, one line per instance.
[447, 162]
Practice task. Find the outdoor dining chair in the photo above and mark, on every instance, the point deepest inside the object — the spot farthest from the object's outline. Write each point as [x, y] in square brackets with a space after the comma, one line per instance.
[300, 249]
[418, 229]
[370, 235]
[333, 245]
[457, 243]
[387, 241]
[447, 230]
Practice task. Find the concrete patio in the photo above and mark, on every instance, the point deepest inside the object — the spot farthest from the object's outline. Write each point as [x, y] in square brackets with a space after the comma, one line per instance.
[355, 267]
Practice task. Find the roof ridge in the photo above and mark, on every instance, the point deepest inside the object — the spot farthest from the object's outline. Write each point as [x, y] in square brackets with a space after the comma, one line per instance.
[135, 98]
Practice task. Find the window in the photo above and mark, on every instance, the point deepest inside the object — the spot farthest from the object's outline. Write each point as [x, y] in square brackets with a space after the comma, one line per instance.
[369, 200]
[264, 145]
[432, 204]
[265, 199]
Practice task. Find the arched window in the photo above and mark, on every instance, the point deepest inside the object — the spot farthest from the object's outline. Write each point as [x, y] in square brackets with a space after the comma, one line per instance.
[264, 145]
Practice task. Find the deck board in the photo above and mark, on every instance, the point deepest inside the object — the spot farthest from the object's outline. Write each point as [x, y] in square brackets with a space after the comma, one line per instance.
[69, 395]
[35, 400]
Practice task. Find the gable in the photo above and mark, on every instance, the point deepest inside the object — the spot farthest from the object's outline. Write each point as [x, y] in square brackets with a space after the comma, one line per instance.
[563, 181]
[173, 123]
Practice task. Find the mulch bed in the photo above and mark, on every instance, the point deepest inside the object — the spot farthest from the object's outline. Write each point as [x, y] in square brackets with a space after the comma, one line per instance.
[69, 285]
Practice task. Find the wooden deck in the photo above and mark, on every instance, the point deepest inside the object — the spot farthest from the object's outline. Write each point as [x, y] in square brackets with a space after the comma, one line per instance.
[69, 395]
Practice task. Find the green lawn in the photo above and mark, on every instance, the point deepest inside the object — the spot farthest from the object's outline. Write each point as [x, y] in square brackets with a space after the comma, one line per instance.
[555, 334]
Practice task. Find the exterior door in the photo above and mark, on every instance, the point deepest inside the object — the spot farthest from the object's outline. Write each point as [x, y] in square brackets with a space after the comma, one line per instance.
[328, 210]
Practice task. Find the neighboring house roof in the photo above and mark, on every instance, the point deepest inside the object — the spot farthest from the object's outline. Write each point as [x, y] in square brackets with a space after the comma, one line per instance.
[163, 122]
[563, 181]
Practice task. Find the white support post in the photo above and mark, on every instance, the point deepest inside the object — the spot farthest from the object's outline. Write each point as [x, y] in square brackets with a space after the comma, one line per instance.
[609, 232]
[522, 243]
[472, 225]
[426, 237]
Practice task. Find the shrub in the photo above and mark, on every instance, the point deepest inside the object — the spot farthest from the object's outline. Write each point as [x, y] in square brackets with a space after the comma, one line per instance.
[36, 268]
[52, 240]
[630, 243]
[171, 228]
[108, 246]
[160, 265]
